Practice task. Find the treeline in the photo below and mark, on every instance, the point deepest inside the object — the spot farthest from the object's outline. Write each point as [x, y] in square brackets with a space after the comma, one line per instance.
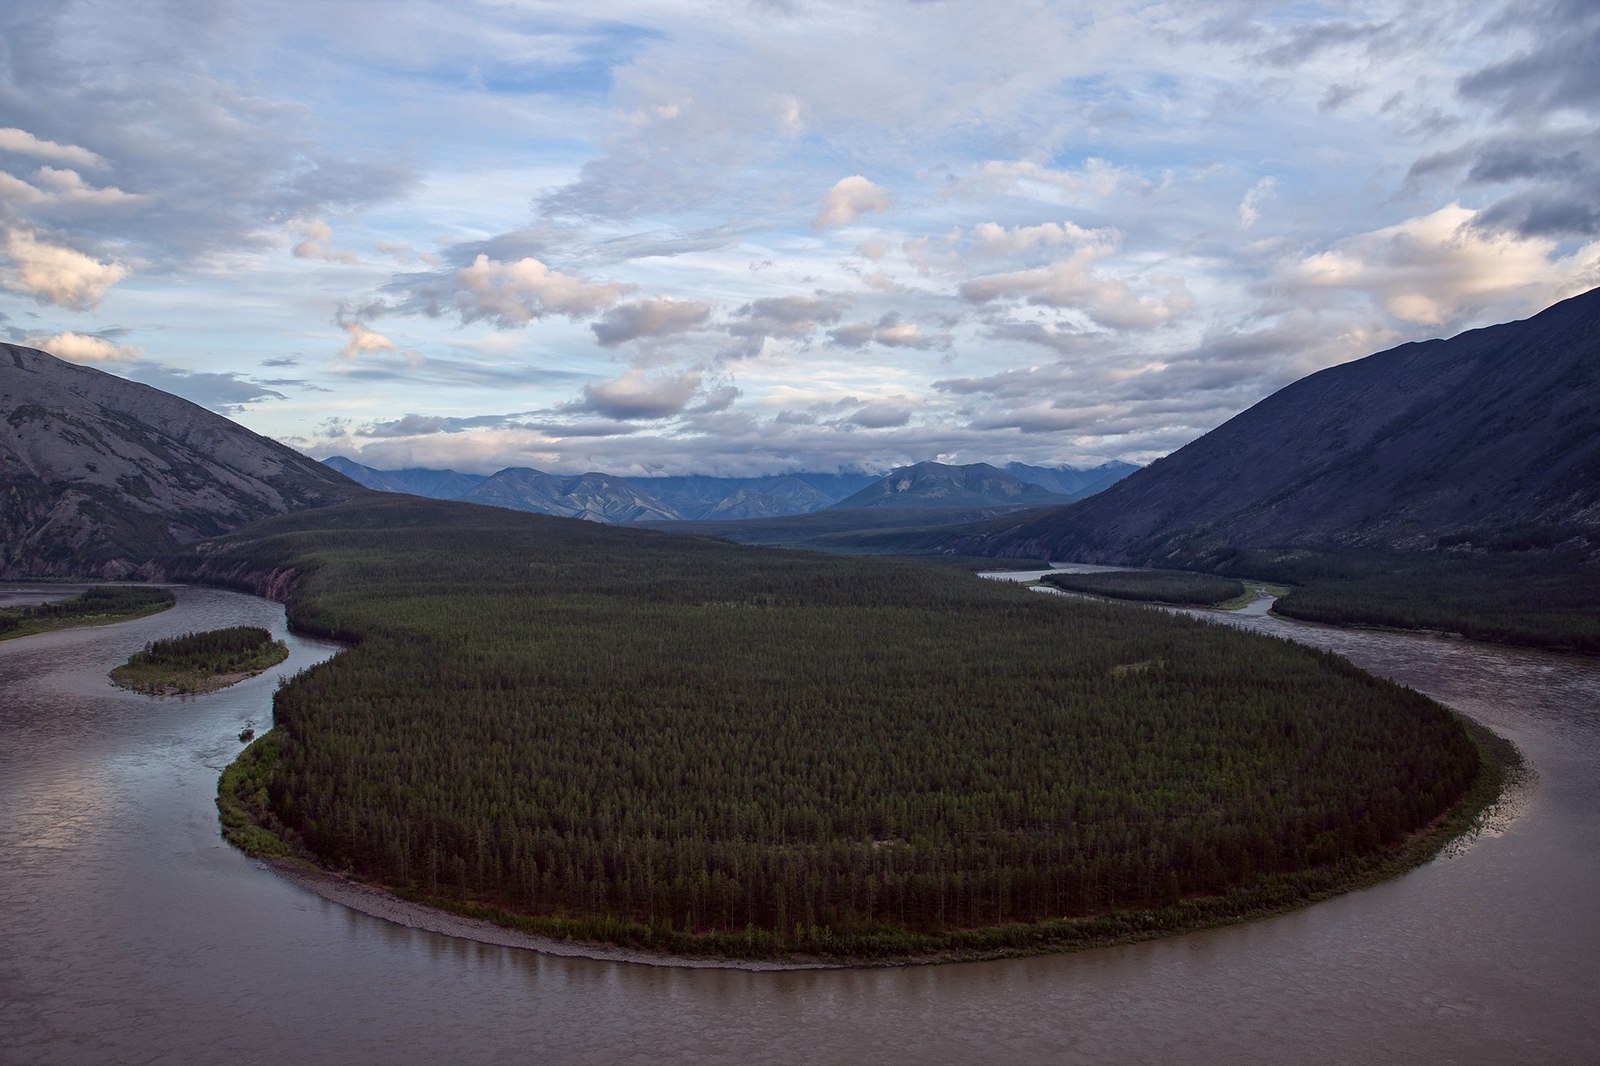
[1152, 586]
[1537, 599]
[92, 605]
[636, 736]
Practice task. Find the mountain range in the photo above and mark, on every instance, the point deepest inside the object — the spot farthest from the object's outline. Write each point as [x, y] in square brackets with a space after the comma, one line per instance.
[98, 474]
[609, 498]
[1488, 440]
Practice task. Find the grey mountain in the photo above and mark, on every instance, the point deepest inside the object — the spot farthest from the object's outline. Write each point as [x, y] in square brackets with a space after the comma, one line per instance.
[595, 497]
[937, 485]
[1490, 438]
[1071, 481]
[99, 475]
[416, 480]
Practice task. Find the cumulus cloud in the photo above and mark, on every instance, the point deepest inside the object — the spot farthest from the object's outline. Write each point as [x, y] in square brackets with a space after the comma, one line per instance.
[22, 142]
[85, 348]
[649, 318]
[891, 331]
[359, 338]
[54, 273]
[1076, 284]
[509, 295]
[848, 200]
[315, 236]
[1441, 267]
[640, 396]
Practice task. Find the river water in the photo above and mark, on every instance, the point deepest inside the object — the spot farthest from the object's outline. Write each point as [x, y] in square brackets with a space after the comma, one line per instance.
[129, 932]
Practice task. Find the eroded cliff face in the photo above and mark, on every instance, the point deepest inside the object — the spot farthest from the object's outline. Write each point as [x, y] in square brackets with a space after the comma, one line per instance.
[99, 475]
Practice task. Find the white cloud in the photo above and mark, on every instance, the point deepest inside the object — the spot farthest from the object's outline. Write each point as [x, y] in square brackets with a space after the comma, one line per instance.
[85, 348]
[848, 200]
[993, 239]
[55, 274]
[515, 294]
[316, 234]
[1441, 267]
[1250, 206]
[1096, 180]
[24, 143]
[359, 338]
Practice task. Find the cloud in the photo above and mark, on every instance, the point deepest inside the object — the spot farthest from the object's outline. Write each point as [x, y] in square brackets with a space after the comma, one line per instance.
[891, 331]
[1442, 267]
[1096, 180]
[406, 426]
[636, 395]
[224, 393]
[848, 200]
[510, 295]
[359, 338]
[85, 348]
[1556, 73]
[55, 274]
[1250, 206]
[649, 318]
[1075, 284]
[316, 234]
[881, 416]
[24, 143]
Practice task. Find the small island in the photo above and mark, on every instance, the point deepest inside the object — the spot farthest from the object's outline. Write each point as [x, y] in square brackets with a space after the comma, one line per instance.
[1154, 586]
[200, 662]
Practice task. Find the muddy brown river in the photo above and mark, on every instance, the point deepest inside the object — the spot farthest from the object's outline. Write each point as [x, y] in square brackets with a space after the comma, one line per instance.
[130, 933]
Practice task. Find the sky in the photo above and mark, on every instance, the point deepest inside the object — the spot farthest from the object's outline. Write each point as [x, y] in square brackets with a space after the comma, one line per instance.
[762, 236]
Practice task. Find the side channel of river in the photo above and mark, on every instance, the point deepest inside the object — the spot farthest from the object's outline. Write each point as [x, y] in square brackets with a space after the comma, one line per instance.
[130, 933]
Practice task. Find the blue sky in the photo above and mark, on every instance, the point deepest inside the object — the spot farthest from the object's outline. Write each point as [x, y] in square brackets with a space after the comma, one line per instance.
[751, 237]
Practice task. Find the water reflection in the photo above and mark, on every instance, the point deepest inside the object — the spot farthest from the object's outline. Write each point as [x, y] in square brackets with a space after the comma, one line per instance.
[132, 933]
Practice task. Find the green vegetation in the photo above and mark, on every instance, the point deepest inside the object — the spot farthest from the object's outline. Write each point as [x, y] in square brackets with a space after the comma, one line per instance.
[1539, 599]
[688, 745]
[98, 606]
[200, 662]
[1153, 586]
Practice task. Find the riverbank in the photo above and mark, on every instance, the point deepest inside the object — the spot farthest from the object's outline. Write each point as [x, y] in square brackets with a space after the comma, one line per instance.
[200, 662]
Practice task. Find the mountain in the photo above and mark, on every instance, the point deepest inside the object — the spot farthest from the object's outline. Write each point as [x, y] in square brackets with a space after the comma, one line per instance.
[1488, 439]
[1071, 481]
[416, 480]
[697, 496]
[593, 496]
[769, 498]
[938, 485]
[99, 474]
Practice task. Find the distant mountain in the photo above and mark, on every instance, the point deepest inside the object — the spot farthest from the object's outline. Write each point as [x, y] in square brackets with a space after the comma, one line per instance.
[770, 498]
[1071, 481]
[416, 480]
[938, 485]
[697, 496]
[1489, 439]
[593, 496]
[99, 474]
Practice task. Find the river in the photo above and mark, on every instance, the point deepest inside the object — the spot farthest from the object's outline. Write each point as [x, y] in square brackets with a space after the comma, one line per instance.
[129, 932]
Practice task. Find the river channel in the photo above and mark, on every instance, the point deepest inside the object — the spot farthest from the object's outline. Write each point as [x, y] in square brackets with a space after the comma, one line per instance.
[129, 932]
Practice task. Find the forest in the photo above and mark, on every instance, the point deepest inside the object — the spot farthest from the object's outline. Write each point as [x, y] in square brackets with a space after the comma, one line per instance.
[1152, 586]
[1532, 598]
[94, 606]
[200, 662]
[687, 744]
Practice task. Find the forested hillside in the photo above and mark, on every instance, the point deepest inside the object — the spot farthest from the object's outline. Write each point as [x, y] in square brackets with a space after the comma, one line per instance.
[687, 744]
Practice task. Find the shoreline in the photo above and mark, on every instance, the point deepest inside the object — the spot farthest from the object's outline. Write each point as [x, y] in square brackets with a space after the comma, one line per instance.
[379, 903]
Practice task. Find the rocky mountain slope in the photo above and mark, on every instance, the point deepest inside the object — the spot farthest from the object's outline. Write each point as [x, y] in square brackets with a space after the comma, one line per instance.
[594, 497]
[1490, 439]
[938, 485]
[416, 480]
[99, 474]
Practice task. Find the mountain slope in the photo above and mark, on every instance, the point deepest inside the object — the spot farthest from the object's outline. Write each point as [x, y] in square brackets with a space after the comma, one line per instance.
[1489, 438]
[415, 480]
[595, 497]
[938, 485]
[99, 474]
[1071, 481]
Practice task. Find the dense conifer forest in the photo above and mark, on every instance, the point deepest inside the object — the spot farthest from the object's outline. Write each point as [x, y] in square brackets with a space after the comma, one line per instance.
[684, 743]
